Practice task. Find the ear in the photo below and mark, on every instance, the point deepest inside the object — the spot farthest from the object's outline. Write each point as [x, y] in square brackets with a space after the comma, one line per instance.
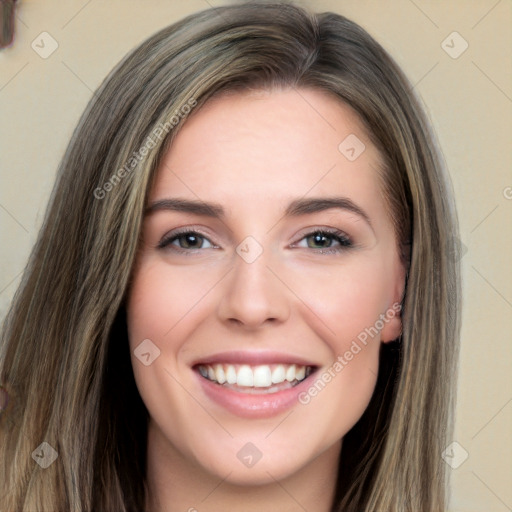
[392, 317]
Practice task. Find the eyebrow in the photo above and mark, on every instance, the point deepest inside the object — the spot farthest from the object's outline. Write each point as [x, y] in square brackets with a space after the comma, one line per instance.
[204, 208]
[294, 209]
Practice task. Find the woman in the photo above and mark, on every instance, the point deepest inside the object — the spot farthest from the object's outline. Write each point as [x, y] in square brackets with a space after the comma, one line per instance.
[243, 293]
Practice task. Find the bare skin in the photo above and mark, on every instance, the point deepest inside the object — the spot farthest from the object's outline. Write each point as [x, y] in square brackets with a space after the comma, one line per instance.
[291, 291]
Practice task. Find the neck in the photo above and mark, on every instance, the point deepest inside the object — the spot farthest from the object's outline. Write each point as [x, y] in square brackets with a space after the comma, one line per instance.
[177, 484]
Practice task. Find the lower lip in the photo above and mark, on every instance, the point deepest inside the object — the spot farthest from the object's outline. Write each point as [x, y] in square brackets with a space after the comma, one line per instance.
[253, 406]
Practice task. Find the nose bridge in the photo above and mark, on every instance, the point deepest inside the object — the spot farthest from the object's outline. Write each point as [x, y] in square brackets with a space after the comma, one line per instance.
[252, 294]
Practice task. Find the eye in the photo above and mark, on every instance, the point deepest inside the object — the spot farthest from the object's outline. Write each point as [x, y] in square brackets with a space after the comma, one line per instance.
[184, 241]
[322, 239]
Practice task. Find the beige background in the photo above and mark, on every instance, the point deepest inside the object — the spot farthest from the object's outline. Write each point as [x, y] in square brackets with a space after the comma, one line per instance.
[469, 100]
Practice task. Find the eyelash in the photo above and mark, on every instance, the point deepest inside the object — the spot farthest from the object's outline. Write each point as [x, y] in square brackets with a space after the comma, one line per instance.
[344, 241]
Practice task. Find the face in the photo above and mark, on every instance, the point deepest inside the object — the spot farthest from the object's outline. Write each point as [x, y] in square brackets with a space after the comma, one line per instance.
[267, 278]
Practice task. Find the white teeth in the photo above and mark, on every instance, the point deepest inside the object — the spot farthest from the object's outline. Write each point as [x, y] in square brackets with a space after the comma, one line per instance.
[220, 376]
[279, 374]
[290, 373]
[245, 376]
[230, 374]
[261, 376]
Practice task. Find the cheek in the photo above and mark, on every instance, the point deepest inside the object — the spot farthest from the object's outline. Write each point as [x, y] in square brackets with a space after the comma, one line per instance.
[343, 304]
[347, 299]
[161, 298]
[164, 306]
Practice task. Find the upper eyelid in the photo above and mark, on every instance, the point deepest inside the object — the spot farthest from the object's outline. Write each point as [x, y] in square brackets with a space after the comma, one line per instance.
[174, 234]
[328, 230]
[185, 230]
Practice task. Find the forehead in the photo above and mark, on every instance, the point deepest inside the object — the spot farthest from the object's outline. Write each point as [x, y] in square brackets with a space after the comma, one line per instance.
[261, 146]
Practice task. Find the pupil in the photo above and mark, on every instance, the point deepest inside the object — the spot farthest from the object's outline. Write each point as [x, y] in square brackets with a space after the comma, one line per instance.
[190, 240]
[322, 240]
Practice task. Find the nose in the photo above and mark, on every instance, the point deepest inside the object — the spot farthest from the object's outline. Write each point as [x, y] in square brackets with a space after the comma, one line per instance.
[252, 295]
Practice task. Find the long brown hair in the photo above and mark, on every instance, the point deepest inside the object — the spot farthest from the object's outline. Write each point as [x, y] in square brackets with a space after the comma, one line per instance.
[64, 353]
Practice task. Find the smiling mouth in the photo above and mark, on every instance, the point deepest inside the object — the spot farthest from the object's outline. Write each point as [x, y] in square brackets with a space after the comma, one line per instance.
[255, 379]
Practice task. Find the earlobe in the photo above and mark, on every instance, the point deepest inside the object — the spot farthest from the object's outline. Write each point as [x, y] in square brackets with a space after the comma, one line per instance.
[393, 324]
[393, 314]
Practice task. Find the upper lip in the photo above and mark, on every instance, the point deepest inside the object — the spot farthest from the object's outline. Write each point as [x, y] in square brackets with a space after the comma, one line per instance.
[253, 358]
